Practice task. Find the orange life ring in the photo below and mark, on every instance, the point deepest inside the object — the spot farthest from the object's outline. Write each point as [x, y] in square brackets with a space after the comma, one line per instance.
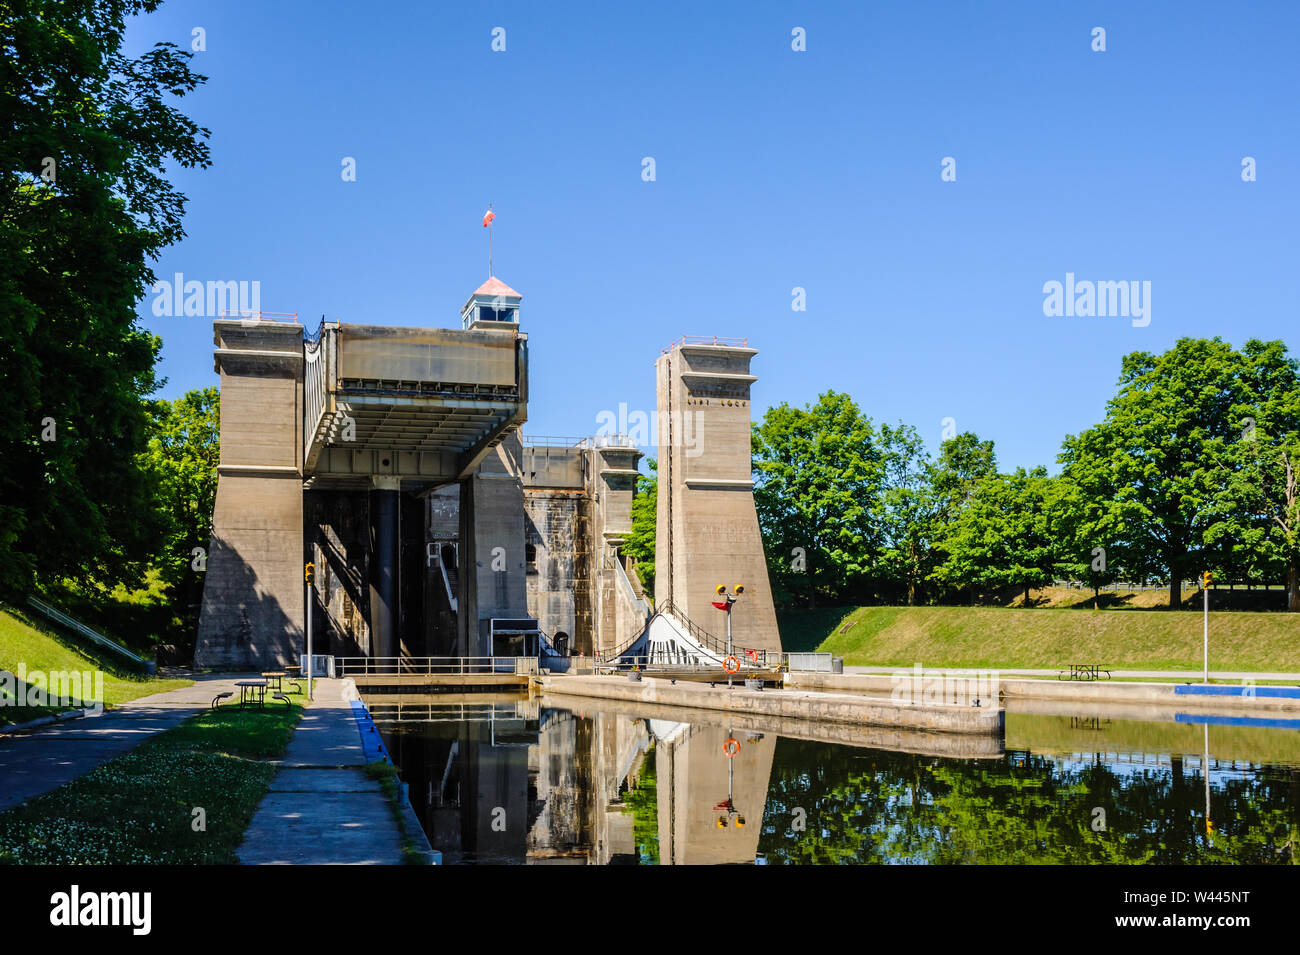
[731, 665]
[731, 747]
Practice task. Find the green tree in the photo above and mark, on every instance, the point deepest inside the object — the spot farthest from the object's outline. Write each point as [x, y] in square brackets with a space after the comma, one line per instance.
[818, 475]
[1152, 474]
[907, 510]
[1262, 503]
[640, 544]
[1007, 535]
[84, 207]
[964, 461]
[184, 452]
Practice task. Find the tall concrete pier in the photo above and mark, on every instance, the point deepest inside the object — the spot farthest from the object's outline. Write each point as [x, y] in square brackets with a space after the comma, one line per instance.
[707, 528]
[253, 594]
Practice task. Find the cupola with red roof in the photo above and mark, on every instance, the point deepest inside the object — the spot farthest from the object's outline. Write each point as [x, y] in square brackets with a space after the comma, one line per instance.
[494, 304]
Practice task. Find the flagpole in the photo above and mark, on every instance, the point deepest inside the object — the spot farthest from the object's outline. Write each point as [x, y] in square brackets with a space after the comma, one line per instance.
[489, 243]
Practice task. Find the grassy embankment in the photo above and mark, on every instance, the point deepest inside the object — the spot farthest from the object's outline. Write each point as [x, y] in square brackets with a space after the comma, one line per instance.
[140, 807]
[1050, 635]
[23, 639]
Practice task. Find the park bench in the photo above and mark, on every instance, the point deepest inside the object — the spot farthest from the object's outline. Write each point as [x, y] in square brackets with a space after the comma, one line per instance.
[216, 700]
[282, 698]
[1085, 672]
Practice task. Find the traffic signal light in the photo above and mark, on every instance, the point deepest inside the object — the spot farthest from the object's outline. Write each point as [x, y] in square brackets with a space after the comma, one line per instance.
[740, 589]
[720, 589]
[310, 575]
[1205, 580]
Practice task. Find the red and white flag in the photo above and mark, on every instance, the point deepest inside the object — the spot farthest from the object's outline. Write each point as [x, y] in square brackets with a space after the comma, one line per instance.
[488, 217]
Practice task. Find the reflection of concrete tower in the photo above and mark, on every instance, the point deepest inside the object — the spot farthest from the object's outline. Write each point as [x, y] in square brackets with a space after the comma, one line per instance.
[710, 805]
[707, 526]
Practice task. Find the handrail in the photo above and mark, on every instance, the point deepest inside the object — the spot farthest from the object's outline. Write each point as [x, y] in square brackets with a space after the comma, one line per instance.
[75, 625]
[707, 639]
[610, 440]
[427, 666]
[707, 340]
[717, 646]
[260, 316]
[315, 385]
[639, 603]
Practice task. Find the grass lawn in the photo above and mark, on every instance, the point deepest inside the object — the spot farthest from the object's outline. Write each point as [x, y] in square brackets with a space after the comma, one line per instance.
[24, 640]
[139, 808]
[1000, 637]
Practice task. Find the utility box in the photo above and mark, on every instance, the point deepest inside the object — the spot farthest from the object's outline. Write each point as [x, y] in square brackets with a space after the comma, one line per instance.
[321, 665]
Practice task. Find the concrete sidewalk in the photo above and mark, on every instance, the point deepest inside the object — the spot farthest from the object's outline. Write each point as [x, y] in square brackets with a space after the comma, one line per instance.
[35, 761]
[322, 808]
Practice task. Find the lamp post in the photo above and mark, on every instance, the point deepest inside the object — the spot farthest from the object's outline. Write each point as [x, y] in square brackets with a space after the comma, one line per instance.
[1205, 590]
[309, 575]
[725, 605]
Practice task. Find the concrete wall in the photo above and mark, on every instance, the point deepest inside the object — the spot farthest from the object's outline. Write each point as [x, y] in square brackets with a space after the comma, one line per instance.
[578, 502]
[836, 707]
[708, 530]
[611, 480]
[253, 595]
[555, 524]
[492, 582]
[1016, 692]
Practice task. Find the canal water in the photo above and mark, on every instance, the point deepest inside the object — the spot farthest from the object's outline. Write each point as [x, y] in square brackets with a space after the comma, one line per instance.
[501, 780]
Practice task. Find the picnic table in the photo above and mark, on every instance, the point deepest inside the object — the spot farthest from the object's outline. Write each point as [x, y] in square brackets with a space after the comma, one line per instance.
[251, 692]
[275, 676]
[1083, 671]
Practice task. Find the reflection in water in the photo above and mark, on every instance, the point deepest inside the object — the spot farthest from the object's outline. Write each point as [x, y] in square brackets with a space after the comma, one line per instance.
[502, 780]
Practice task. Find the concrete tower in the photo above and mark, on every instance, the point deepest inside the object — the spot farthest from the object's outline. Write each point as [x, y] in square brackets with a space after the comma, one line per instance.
[253, 594]
[707, 527]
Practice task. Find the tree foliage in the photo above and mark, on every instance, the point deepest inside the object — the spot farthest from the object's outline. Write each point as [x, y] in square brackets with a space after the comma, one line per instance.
[1194, 467]
[640, 543]
[818, 475]
[84, 207]
[184, 452]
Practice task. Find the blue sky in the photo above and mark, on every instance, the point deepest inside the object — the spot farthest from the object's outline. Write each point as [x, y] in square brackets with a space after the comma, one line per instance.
[775, 169]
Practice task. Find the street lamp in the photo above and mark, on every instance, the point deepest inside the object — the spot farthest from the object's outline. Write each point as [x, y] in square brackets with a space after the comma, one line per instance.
[1206, 578]
[309, 576]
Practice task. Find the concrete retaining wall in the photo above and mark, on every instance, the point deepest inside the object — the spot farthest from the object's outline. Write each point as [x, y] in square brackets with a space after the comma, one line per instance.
[895, 739]
[1037, 691]
[833, 707]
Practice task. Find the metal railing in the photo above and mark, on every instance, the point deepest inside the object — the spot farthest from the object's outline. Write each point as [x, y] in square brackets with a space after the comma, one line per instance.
[810, 662]
[93, 636]
[638, 603]
[260, 316]
[718, 645]
[314, 385]
[708, 340]
[427, 666]
[584, 443]
[434, 712]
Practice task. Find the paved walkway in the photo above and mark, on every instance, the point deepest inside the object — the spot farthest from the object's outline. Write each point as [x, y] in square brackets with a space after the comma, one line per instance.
[322, 808]
[33, 762]
[1189, 675]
